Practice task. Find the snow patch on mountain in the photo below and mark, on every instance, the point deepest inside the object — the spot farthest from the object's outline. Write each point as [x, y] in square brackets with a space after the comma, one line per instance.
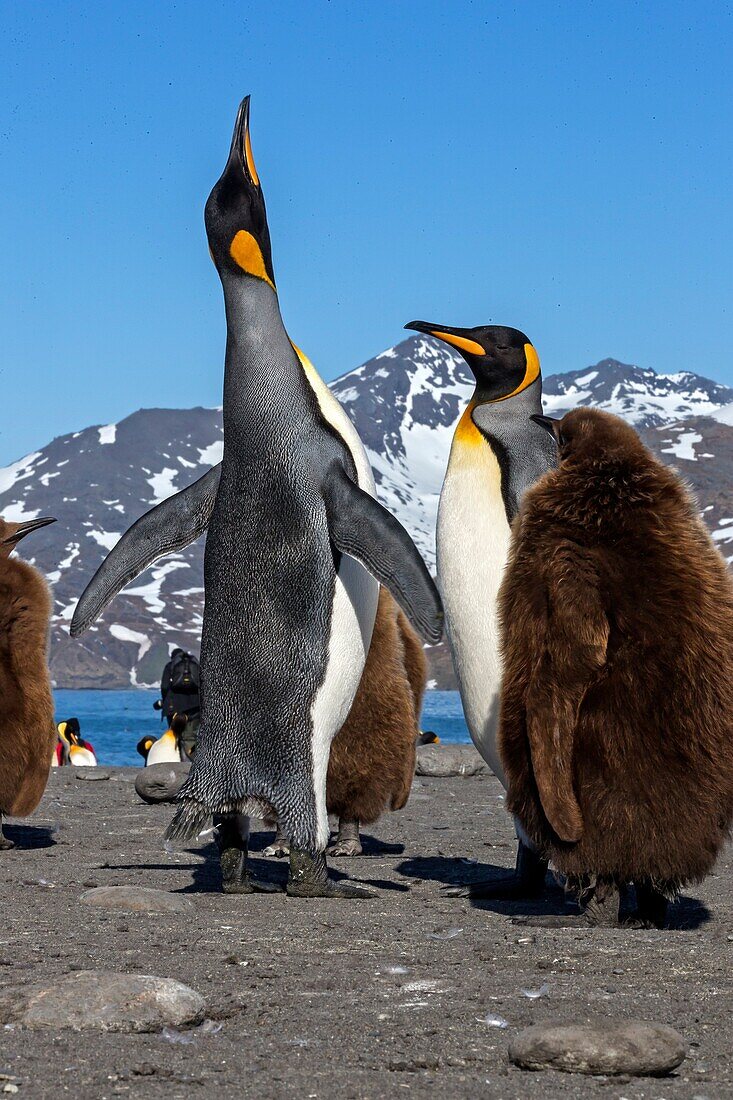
[17, 471]
[142, 641]
[107, 434]
[683, 446]
[162, 484]
[18, 513]
[212, 454]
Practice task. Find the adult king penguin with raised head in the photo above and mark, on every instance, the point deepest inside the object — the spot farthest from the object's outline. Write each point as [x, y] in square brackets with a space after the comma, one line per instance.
[296, 548]
[498, 452]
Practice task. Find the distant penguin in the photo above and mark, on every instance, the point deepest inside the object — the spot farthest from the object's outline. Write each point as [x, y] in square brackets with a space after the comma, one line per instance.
[372, 761]
[296, 546]
[498, 452]
[617, 708]
[72, 748]
[27, 731]
[168, 748]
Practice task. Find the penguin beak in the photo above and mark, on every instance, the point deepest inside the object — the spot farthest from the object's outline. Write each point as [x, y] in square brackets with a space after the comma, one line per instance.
[18, 531]
[549, 424]
[452, 336]
[240, 153]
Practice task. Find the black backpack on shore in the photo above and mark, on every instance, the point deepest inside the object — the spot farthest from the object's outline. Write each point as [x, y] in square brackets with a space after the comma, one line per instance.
[184, 675]
[180, 685]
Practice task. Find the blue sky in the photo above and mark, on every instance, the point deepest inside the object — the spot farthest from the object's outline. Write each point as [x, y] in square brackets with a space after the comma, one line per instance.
[564, 168]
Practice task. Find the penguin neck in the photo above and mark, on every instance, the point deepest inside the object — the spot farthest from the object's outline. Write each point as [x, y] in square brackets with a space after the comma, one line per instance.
[263, 380]
[522, 449]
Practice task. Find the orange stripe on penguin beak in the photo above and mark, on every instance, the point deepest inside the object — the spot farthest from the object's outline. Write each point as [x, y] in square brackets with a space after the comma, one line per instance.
[460, 342]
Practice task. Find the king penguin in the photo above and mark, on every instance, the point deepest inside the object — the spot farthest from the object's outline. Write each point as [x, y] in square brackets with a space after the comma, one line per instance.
[296, 549]
[497, 453]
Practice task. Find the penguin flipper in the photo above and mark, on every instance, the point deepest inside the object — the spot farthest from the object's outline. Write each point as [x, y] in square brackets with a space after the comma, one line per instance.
[171, 525]
[574, 651]
[360, 527]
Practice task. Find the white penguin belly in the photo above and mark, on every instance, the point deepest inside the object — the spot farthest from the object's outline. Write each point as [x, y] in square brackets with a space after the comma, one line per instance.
[164, 751]
[472, 544]
[355, 597]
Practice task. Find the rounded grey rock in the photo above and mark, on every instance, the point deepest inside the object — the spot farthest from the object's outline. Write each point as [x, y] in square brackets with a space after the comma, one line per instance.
[137, 899]
[91, 774]
[161, 782]
[608, 1047]
[441, 761]
[103, 1000]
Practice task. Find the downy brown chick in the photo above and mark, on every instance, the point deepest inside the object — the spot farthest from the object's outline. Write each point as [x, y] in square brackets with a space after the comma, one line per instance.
[617, 710]
[28, 733]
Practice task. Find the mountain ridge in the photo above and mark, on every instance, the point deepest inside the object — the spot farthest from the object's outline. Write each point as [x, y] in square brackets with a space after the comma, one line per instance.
[404, 402]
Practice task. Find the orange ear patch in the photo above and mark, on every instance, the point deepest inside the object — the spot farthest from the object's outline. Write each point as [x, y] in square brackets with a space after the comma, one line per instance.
[247, 254]
[531, 373]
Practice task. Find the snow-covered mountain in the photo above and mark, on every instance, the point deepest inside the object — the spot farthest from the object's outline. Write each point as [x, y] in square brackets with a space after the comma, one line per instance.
[642, 397]
[405, 403]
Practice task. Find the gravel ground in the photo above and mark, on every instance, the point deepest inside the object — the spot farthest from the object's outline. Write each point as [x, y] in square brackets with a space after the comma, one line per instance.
[342, 999]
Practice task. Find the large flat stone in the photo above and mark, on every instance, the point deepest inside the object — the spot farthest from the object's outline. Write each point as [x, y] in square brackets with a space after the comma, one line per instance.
[137, 899]
[607, 1047]
[104, 1000]
[161, 782]
[440, 761]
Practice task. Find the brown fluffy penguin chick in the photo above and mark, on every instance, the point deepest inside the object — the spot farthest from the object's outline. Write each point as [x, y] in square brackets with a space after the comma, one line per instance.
[372, 762]
[617, 706]
[27, 734]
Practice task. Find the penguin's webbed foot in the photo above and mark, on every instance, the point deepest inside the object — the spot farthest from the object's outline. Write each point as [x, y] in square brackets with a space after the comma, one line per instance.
[601, 911]
[236, 879]
[347, 843]
[308, 878]
[232, 841]
[651, 908]
[524, 884]
[5, 843]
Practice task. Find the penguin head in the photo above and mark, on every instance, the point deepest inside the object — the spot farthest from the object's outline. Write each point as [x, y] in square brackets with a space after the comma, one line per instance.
[503, 360]
[178, 724]
[12, 533]
[72, 731]
[592, 436]
[235, 216]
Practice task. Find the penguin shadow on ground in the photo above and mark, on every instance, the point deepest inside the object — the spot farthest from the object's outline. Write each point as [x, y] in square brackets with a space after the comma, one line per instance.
[685, 915]
[452, 872]
[29, 836]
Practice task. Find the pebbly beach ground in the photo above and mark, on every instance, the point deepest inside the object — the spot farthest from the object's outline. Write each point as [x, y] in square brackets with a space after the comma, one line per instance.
[411, 993]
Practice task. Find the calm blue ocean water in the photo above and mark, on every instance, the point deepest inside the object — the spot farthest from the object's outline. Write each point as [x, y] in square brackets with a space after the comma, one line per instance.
[114, 721]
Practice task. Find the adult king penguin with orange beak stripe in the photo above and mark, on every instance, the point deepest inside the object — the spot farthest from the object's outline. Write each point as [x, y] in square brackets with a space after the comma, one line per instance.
[296, 549]
[497, 452]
